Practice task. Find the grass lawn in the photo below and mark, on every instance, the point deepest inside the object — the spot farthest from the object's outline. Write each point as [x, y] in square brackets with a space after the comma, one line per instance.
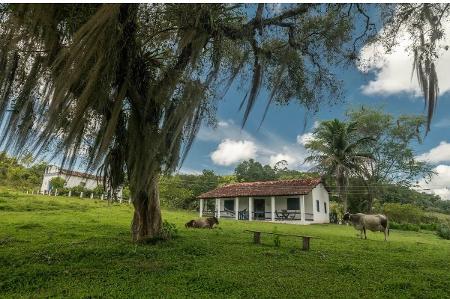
[60, 247]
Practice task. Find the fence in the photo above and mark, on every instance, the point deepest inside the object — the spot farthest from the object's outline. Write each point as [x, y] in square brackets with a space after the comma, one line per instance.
[89, 195]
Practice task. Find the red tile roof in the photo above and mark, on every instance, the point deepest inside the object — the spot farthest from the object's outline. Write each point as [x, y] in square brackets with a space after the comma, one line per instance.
[58, 171]
[269, 188]
[80, 174]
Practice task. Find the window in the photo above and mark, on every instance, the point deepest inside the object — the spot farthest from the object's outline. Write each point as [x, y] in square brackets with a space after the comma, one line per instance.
[293, 204]
[228, 204]
[325, 207]
[318, 205]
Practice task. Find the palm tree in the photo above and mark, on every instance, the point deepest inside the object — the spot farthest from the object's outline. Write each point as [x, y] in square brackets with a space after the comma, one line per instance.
[335, 151]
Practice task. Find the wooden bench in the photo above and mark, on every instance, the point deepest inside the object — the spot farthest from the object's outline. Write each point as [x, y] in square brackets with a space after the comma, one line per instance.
[257, 237]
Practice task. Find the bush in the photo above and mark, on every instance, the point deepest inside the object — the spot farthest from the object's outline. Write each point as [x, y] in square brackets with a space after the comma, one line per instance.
[57, 183]
[404, 226]
[76, 191]
[63, 191]
[168, 231]
[403, 213]
[173, 194]
[443, 231]
[429, 226]
[336, 212]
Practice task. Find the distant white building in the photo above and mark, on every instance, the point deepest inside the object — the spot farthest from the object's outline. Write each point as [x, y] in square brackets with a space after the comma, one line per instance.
[72, 178]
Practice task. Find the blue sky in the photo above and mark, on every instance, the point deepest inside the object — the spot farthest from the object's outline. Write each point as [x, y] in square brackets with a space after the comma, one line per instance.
[284, 124]
[385, 82]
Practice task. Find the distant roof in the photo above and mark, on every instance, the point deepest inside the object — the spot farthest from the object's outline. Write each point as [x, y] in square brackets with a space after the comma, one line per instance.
[51, 169]
[268, 188]
[80, 174]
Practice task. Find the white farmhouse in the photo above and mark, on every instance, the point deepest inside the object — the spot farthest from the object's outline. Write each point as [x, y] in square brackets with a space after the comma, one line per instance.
[292, 201]
[72, 178]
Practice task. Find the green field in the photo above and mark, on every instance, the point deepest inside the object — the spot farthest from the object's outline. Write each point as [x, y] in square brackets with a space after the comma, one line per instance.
[60, 247]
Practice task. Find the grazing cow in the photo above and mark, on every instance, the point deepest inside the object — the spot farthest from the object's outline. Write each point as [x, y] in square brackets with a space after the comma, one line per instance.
[375, 223]
[202, 223]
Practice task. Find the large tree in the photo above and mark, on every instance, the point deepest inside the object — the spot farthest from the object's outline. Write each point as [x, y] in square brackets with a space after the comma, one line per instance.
[252, 171]
[393, 158]
[337, 150]
[126, 86]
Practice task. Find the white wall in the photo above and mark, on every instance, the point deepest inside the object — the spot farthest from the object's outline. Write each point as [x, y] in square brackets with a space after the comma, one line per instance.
[71, 181]
[321, 194]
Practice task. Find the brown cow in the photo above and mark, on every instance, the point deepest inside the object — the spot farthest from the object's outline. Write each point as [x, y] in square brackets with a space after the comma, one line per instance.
[202, 223]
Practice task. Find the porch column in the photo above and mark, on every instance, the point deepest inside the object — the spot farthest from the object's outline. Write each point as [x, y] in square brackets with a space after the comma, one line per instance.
[302, 208]
[250, 208]
[272, 207]
[218, 207]
[201, 207]
[236, 208]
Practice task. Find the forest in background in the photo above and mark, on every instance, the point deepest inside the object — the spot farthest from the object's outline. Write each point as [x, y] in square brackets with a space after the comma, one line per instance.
[180, 190]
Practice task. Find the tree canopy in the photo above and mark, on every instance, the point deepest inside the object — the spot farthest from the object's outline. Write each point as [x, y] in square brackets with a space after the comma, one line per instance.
[252, 171]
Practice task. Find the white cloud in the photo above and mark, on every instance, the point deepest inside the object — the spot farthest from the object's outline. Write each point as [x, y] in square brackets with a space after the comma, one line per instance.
[316, 124]
[232, 151]
[444, 193]
[273, 159]
[439, 183]
[187, 170]
[305, 138]
[226, 129]
[235, 145]
[393, 70]
[440, 153]
[223, 124]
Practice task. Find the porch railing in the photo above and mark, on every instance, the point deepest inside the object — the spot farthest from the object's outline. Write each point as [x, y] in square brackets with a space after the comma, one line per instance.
[261, 215]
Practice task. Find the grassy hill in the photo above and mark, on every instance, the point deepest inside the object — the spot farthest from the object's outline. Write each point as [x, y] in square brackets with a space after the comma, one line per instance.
[55, 246]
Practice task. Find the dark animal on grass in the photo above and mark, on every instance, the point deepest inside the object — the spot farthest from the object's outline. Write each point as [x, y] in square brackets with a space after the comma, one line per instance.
[202, 223]
[363, 222]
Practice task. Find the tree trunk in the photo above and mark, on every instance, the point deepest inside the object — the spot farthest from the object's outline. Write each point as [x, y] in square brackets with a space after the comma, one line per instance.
[341, 184]
[344, 198]
[146, 224]
[369, 198]
[368, 185]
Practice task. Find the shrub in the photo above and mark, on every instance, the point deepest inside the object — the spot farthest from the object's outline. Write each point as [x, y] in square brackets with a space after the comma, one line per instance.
[63, 191]
[276, 241]
[336, 212]
[168, 231]
[443, 231]
[404, 226]
[57, 183]
[76, 191]
[98, 190]
[403, 213]
[429, 226]
[430, 219]
[276, 238]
